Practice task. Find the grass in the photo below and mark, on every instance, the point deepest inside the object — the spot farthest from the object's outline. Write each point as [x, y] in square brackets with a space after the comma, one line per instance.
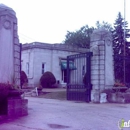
[54, 95]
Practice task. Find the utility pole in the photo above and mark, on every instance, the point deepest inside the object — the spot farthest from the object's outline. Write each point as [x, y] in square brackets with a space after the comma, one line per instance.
[124, 43]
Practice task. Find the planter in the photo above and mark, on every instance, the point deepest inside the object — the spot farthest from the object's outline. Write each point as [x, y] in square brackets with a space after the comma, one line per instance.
[3, 106]
[15, 93]
[112, 97]
[119, 89]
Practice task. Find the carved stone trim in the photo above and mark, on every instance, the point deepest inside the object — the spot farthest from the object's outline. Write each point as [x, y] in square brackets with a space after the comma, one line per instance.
[7, 24]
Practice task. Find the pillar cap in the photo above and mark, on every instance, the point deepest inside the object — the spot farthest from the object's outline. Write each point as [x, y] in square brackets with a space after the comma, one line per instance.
[7, 9]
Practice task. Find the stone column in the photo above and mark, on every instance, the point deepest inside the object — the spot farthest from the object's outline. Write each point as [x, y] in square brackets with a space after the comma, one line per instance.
[9, 46]
[102, 70]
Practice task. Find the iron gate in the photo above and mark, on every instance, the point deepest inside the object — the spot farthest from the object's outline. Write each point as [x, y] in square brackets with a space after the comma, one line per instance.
[79, 79]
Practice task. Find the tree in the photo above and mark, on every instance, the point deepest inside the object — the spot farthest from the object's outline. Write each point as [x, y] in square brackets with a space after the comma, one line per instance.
[104, 25]
[118, 46]
[79, 38]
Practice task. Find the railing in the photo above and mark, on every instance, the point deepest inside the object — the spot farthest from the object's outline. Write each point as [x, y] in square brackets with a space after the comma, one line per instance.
[77, 92]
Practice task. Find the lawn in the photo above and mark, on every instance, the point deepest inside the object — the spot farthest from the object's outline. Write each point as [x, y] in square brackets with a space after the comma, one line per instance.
[54, 95]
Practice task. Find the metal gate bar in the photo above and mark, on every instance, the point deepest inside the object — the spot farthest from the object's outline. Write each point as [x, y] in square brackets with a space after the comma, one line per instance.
[77, 89]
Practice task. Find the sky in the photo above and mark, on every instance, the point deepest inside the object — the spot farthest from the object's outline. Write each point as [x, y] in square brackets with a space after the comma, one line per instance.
[49, 20]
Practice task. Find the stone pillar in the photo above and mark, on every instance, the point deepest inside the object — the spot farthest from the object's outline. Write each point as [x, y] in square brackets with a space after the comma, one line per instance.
[102, 69]
[9, 46]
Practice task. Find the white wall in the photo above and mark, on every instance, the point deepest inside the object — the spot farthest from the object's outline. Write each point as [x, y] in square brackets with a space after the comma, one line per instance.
[37, 56]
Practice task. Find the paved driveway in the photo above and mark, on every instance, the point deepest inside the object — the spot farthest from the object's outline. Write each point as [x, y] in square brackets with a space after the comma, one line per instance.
[51, 114]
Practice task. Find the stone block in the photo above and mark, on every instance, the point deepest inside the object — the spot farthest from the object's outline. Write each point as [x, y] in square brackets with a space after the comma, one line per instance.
[127, 97]
[18, 103]
[15, 34]
[97, 77]
[102, 48]
[16, 41]
[17, 55]
[24, 102]
[15, 20]
[17, 107]
[97, 81]
[18, 112]
[17, 48]
[11, 112]
[15, 27]
[93, 72]
[102, 52]
[11, 104]
[24, 111]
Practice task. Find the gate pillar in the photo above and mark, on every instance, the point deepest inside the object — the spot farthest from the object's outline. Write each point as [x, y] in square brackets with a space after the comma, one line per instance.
[102, 69]
[9, 46]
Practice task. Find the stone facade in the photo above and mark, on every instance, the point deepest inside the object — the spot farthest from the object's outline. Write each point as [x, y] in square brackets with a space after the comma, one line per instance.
[10, 47]
[102, 69]
[35, 54]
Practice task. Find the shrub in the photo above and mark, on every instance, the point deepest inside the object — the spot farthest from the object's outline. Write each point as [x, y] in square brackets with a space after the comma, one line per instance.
[47, 80]
[4, 90]
[107, 91]
[85, 79]
[24, 78]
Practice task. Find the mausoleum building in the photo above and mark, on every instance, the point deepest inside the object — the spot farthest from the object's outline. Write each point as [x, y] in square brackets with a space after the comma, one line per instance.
[38, 58]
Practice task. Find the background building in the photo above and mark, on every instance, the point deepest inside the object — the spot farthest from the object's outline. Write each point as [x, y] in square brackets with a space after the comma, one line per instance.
[38, 58]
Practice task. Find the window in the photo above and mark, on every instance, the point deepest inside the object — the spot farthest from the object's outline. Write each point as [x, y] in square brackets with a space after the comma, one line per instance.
[43, 68]
[27, 68]
[64, 76]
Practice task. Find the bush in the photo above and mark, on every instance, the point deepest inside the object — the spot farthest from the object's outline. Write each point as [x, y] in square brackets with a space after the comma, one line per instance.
[107, 91]
[85, 79]
[47, 80]
[24, 78]
[4, 90]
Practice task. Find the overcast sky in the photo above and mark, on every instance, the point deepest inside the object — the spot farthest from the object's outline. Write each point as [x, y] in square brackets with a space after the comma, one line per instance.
[48, 20]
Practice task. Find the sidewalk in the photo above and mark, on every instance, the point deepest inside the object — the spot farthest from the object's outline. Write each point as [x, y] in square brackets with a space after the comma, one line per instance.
[51, 114]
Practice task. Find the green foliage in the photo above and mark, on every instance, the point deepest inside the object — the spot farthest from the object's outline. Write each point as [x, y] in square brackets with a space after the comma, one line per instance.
[4, 90]
[24, 78]
[118, 46]
[79, 38]
[47, 80]
[104, 25]
[14, 83]
[118, 35]
[85, 78]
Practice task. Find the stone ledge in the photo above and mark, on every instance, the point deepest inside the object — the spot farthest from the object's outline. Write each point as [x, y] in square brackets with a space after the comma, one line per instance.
[60, 47]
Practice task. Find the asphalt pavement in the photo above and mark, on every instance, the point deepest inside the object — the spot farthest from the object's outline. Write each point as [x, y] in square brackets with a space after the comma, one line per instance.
[52, 114]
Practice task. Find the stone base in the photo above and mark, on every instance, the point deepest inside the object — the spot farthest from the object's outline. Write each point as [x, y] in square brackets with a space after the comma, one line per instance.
[95, 96]
[111, 96]
[127, 97]
[119, 98]
[17, 107]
